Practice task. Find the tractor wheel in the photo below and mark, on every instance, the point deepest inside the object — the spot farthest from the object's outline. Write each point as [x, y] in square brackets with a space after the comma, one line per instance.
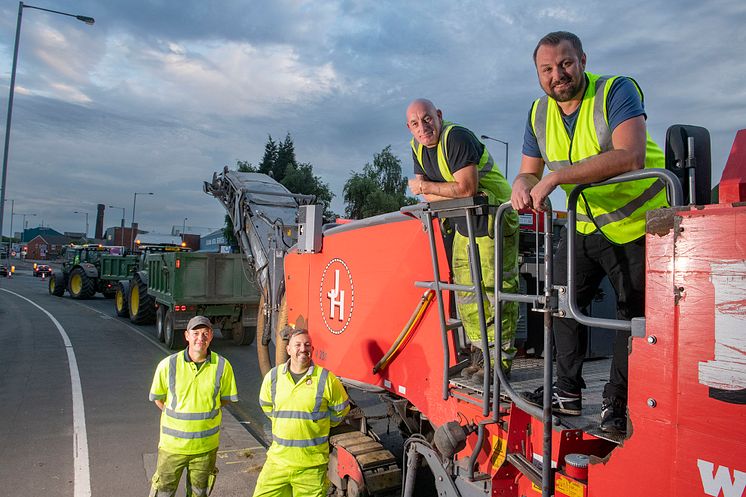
[160, 323]
[81, 286]
[174, 338]
[57, 284]
[121, 308]
[142, 305]
[243, 335]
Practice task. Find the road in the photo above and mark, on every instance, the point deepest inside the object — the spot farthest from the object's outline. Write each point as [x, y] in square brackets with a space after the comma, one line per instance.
[74, 382]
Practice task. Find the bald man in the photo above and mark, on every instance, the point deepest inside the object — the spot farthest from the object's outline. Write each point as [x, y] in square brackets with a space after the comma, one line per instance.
[450, 162]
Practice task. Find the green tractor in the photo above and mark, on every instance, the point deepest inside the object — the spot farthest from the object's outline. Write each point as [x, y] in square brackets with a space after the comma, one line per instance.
[128, 276]
[80, 274]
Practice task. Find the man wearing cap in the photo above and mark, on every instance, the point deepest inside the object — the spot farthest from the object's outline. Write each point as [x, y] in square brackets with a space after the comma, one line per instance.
[303, 401]
[190, 387]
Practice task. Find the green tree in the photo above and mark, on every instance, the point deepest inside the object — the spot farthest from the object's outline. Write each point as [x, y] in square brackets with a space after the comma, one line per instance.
[378, 189]
[284, 159]
[267, 163]
[299, 178]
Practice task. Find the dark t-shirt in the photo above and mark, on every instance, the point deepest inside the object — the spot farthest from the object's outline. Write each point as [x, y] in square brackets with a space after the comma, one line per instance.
[463, 148]
[622, 103]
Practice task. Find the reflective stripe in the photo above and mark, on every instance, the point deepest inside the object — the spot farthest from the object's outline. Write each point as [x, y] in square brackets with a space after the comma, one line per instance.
[264, 403]
[540, 129]
[311, 416]
[603, 133]
[153, 397]
[233, 398]
[189, 435]
[193, 416]
[626, 210]
[300, 443]
[320, 390]
[341, 406]
[273, 389]
[218, 376]
[172, 379]
[334, 418]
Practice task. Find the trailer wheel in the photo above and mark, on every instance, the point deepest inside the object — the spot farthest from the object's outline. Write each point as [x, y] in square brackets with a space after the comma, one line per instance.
[80, 286]
[174, 338]
[243, 335]
[160, 323]
[57, 284]
[121, 308]
[142, 305]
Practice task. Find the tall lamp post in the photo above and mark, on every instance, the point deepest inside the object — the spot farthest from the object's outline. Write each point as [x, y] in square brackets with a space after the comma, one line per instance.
[115, 207]
[86, 221]
[10, 238]
[21, 6]
[485, 137]
[134, 205]
[24, 214]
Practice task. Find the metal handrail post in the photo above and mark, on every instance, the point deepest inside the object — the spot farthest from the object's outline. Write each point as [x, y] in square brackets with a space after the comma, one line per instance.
[676, 196]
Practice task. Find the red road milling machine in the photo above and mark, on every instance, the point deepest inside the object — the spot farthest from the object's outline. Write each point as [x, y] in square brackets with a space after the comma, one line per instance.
[376, 294]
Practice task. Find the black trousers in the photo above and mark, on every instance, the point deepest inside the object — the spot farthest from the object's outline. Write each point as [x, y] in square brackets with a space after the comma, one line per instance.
[596, 257]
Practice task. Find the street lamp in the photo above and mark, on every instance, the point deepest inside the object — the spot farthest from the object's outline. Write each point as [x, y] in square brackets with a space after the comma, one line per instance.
[86, 221]
[21, 6]
[134, 205]
[115, 207]
[485, 137]
[10, 238]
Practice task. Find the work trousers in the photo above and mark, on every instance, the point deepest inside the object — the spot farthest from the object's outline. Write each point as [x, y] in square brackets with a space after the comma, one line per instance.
[466, 303]
[596, 257]
[278, 480]
[200, 471]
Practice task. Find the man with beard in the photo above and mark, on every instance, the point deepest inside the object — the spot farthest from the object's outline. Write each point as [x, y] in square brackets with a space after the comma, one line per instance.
[589, 128]
[303, 401]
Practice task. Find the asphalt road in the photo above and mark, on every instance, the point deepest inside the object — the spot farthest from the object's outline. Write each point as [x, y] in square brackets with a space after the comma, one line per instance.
[74, 381]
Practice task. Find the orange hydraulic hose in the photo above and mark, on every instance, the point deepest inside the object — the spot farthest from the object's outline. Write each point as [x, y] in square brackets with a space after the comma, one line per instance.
[427, 297]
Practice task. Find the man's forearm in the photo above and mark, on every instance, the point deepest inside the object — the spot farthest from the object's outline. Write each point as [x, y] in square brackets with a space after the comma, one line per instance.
[597, 168]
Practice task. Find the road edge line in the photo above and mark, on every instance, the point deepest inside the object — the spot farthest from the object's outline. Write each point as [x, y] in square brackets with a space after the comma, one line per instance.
[81, 461]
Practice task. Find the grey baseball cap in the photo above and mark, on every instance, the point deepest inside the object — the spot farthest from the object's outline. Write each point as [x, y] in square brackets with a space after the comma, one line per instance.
[198, 321]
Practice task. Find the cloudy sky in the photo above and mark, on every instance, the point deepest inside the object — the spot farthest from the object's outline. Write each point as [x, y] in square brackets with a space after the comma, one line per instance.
[159, 94]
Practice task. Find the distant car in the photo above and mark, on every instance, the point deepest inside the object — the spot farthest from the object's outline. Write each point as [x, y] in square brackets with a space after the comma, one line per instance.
[42, 269]
[3, 270]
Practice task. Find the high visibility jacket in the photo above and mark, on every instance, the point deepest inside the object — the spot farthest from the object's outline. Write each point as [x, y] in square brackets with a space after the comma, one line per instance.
[490, 180]
[618, 209]
[190, 421]
[302, 414]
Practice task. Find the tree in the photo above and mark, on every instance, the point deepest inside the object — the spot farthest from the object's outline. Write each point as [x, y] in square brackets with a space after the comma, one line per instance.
[284, 159]
[378, 189]
[267, 164]
[300, 179]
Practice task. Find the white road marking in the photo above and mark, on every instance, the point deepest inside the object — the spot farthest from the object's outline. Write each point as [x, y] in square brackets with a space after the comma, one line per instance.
[82, 473]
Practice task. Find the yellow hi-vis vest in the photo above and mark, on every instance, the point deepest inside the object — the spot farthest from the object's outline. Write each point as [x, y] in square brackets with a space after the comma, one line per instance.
[491, 181]
[618, 210]
[302, 414]
[190, 421]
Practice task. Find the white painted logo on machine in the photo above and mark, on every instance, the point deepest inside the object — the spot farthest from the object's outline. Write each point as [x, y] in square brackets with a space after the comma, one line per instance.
[336, 296]
[725, 375]
[718, 479]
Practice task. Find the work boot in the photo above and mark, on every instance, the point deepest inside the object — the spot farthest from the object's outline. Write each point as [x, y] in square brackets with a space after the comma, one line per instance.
[478, 376]
[563, 402]
[477, 360]
[614, 416]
